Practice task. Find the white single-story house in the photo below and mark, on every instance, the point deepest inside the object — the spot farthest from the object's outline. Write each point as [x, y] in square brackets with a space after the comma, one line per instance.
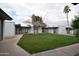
[6, 28]
[64, 30]
[53, 30]
[56, 29]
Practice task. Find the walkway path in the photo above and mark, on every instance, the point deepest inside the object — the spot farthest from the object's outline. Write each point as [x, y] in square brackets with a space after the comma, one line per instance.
[63, 51]
[8, 47]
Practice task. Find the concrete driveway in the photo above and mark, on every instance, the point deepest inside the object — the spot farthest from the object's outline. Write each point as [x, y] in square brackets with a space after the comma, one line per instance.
[8, 47]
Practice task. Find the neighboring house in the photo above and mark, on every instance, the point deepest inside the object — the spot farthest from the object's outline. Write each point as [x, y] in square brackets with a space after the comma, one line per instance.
[35, 30]
[21, 29]
[3, 16]
[53, 30]
[65, 30]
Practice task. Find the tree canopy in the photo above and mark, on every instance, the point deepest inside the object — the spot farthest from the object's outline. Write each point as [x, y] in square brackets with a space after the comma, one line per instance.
[37, 21]
[75, 22]
[67, 9]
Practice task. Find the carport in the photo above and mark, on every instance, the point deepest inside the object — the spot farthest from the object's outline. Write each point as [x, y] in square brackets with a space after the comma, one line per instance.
[3, 16]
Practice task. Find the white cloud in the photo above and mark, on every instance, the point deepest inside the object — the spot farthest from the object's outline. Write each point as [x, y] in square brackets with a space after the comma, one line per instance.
[52, 13]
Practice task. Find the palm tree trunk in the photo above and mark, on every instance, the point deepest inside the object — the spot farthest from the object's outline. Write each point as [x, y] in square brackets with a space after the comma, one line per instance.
[67, 20]
[68, 30]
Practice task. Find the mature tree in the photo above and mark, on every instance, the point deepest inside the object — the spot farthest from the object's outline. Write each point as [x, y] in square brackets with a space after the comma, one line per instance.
[66, 11]
[37, 22]
[75, 25]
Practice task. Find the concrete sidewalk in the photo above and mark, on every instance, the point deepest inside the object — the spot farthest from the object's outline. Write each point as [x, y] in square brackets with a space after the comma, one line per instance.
[70, 50]
[8, 47]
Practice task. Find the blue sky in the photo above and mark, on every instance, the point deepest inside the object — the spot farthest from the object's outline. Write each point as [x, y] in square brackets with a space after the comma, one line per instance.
[52, 13]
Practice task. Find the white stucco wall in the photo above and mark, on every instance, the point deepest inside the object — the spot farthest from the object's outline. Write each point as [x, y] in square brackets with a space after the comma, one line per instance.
[9, 29]
[72, 32]
[50, 31]
[62, 30]
[31, 30]
[39, 30]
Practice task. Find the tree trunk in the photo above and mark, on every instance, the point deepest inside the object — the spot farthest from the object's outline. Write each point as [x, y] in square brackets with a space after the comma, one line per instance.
[37, 30]
[34, 29]
[67, 20]
[68, 30]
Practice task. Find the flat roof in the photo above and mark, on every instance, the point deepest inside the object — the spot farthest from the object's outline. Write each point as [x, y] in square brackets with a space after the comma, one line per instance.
[4, 16]
[51, 28]
[19, 26]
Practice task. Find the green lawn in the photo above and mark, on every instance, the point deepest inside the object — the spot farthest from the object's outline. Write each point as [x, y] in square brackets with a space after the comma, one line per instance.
[42, 42]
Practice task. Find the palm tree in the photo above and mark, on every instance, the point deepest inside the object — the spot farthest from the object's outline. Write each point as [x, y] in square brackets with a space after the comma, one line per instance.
[66, 11]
